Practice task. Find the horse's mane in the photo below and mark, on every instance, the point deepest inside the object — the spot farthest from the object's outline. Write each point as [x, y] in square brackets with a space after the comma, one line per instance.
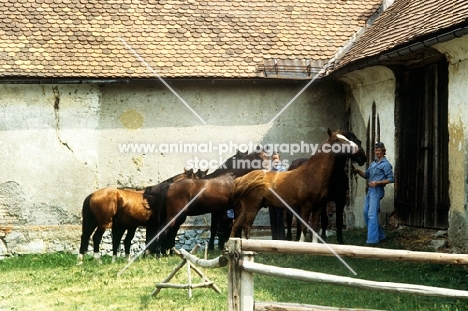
[156, 197]
[248, 182]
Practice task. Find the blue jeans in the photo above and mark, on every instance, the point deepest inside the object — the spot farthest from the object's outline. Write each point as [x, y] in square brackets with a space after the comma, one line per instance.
[375, 232]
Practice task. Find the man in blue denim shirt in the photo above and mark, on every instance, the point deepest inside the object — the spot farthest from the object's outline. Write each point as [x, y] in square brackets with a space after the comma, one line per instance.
[378, 175]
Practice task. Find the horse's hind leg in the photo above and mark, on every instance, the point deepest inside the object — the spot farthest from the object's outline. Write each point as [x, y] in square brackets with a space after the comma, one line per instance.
[88, 226]
[324, 221]
[97, 237]
[289, 218]
[86, 234]
[215, 219]
[340, 204]
[128, 241]
[224, 231]
[117, 233]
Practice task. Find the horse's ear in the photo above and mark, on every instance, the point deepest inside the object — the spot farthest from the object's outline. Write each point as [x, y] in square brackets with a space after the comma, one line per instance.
[329, 132]
[206, 172]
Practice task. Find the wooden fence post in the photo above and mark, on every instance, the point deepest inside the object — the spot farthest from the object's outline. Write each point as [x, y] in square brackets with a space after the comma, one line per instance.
[240, 282]
[234, 274]
[247, 283]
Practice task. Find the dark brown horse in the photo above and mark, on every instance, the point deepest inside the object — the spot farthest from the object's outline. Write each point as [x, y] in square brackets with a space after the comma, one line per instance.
[305, 187]
[192, 197]
[120, 209]
[338, 192]
[238, 165]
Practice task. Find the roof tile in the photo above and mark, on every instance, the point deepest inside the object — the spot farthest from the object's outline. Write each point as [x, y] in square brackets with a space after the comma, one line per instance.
[194, 38]
[405, 21]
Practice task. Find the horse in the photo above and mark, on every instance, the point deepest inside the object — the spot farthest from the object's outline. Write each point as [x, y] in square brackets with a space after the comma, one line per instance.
[122, 210]
[239, 164]
[215, 199]
[198, 197]
[305, 187]
[338, 193]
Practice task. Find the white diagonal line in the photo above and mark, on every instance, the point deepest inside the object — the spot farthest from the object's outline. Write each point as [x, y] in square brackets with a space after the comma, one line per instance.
[161, 79]
[318, 236]
[341, 51]
[301, 91]
[161, 231]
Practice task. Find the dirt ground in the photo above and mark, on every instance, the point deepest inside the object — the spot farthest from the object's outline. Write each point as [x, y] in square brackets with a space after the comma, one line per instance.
[420, 239]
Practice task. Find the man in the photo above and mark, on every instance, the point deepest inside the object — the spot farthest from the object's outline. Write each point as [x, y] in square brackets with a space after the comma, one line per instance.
[378, 175]
[276, 214]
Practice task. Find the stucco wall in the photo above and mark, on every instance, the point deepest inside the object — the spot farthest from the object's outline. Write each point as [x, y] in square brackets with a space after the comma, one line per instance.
[378, 84]
[61, 142]
[456, 52]
[363, 88]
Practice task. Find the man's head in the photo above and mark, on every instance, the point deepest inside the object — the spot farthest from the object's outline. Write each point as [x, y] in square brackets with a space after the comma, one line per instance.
[275, 159]
[275, 156]
[380, 148]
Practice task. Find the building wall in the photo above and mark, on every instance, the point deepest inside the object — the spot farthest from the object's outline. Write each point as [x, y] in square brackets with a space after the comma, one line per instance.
[363, 88]
[61, 142]
[456, 52]
[378, 84]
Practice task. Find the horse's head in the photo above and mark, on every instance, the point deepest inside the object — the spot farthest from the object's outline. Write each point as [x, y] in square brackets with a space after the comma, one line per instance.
[201, 174]
[359, 157]
[338, 144]
[188, 173]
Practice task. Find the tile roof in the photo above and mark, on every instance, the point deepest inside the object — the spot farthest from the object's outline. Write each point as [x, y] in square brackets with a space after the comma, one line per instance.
[177, 38]
[406, 21]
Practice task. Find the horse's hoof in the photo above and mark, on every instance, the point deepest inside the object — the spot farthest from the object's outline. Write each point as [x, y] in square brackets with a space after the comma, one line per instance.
[79, 263]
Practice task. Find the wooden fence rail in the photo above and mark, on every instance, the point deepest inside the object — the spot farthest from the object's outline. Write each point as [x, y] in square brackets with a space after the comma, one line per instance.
[285, 247]
[242, 269]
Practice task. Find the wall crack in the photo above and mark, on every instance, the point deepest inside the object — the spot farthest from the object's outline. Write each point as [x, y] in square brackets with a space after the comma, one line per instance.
[57, 118]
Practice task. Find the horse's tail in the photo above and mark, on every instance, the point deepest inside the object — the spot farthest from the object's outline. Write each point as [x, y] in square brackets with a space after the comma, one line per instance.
[246, 183]
[88, 216]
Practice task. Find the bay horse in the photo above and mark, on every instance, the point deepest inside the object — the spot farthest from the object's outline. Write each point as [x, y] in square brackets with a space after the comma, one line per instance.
[215, 199]
[121, 210]
[305, 187]
[338, 193]
[238, 165]
[198, 197]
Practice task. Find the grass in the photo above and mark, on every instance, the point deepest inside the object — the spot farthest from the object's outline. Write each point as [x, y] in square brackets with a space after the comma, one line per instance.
[54, 282]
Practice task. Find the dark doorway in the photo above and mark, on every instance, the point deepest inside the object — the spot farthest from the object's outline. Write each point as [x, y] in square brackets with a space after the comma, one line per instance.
[421, 185]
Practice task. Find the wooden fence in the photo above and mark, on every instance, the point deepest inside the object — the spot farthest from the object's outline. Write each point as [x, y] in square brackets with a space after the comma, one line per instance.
[242, 268]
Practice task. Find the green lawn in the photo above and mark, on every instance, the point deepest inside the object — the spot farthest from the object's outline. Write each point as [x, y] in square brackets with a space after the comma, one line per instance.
[54, 282]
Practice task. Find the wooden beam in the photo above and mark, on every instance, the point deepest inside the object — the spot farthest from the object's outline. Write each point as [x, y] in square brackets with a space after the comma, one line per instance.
[309, 276]
[217, 262]
[283, 306]
[287, 247]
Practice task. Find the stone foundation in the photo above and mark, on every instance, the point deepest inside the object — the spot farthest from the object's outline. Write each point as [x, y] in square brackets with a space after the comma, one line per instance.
[15, 240]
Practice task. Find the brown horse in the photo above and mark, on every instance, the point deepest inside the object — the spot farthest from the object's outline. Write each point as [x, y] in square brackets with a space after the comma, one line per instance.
[120, 209]
[202, 196]
[305, 187]
[338, 192]
[239, 164]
